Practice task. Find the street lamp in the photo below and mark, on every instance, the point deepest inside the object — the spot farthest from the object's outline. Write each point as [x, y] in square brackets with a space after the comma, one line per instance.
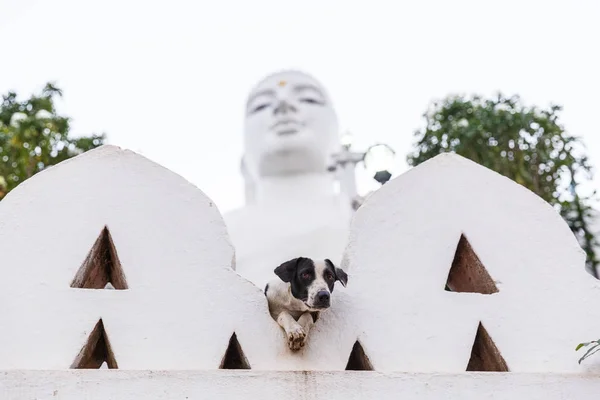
[378, 160]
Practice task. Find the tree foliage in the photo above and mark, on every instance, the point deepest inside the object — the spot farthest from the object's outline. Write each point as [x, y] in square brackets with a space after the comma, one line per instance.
[34, 137]
[526, 144]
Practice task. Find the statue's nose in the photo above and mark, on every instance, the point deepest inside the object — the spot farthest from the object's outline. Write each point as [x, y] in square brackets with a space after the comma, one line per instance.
[284, 107]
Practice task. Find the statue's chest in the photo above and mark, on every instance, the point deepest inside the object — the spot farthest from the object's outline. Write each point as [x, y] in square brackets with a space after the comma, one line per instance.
[264, 238]
[299, 219]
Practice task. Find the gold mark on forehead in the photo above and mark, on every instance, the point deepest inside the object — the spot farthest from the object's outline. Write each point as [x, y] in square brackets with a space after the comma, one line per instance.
[282, 83]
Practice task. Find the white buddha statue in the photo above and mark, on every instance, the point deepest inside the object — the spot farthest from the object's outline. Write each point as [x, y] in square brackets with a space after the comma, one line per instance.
[292, 208]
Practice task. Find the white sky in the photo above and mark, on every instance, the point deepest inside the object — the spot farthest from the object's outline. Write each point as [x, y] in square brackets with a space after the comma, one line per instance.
[169, 78]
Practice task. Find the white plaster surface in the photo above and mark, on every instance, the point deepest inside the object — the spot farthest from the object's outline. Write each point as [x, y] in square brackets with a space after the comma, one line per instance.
[595, 229]
[401, 247]
[184, 301]
[230, 385]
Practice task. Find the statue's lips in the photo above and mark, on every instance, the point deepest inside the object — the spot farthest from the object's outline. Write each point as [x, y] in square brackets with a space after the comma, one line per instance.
[286, 128]
[287, 131]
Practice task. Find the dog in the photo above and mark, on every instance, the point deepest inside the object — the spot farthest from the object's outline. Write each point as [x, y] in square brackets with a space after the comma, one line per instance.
[301, 293]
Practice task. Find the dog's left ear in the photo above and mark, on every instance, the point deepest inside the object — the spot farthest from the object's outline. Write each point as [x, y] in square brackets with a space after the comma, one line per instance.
[287, 270]
[340, 274]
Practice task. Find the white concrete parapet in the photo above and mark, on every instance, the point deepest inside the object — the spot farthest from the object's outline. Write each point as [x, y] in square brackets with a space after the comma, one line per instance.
[177, 301]
[517, 268]
[264, 385]
[519, 299]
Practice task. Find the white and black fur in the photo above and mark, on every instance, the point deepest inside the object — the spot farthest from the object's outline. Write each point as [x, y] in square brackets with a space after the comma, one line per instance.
[302, 291]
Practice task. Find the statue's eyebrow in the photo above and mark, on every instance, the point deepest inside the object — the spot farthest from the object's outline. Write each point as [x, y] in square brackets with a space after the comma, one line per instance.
[267, 92]
[308, 87]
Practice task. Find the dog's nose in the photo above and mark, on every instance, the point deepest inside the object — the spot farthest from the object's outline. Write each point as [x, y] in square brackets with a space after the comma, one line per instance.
[323, 297]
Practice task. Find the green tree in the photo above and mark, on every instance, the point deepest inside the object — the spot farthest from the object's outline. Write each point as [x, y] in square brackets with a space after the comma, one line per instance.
[34, 137]
[526, 144]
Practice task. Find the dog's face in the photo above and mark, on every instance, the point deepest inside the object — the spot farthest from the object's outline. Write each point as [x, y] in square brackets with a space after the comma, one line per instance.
[311, 281]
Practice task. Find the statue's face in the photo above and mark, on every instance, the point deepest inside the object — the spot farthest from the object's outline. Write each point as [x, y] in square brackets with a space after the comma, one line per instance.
[291, 126]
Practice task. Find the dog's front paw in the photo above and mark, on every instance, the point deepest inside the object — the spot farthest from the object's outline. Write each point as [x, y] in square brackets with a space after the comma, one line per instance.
[296, 338]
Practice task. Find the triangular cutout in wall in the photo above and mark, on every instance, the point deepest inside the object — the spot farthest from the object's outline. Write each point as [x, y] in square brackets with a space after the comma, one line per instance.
[467, 273]
[97, 351]
[358, 360]
[101, 266]
[485, 356]
[234, 357]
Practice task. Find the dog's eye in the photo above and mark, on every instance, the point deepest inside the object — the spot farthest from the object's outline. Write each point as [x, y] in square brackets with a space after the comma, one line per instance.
[329, 277]
[306, 275]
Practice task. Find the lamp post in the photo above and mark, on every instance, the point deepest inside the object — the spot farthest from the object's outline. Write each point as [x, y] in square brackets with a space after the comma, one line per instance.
[378, 160]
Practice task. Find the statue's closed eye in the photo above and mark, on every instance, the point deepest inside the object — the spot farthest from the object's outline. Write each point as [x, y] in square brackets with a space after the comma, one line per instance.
[259, 107]
[311, 100]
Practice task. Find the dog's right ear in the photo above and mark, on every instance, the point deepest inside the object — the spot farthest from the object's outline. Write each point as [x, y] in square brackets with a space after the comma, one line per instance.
[340, 274]
[287, 270]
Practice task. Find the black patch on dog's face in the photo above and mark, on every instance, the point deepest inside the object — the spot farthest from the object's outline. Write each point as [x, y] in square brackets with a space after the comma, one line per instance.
[300, 273]
[338, 275]
[329, 275]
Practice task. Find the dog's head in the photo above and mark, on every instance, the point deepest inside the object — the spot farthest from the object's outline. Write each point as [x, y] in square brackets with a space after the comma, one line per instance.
[311, 281]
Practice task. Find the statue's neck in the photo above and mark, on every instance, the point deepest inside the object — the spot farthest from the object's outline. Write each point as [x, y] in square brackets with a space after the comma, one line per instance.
[294, 188]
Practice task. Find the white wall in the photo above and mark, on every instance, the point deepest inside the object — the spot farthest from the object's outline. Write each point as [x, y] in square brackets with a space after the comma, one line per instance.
[184, 301]
[402, 243]
[181, 385]
[594, 226]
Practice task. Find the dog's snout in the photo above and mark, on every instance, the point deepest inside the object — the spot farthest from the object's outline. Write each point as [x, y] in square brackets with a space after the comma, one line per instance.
[323, 298]
[323, 295]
